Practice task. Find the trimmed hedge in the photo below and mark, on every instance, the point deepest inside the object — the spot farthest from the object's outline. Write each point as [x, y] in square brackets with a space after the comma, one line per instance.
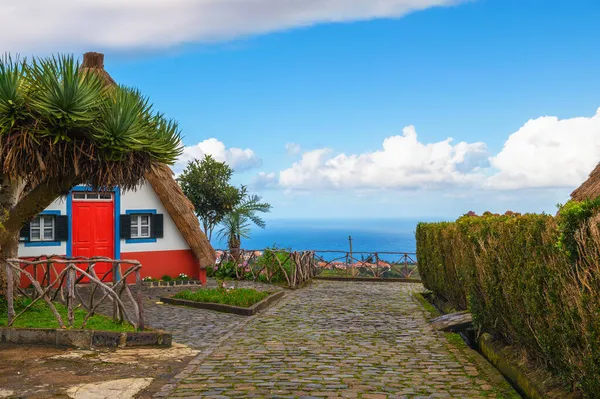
[532, 280]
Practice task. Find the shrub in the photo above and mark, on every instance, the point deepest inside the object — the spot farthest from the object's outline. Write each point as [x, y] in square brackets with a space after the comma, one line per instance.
[532, 280]
[166, 277]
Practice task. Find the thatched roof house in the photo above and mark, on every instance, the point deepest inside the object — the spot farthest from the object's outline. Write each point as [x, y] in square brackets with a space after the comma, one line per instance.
[590, 189]
[155, 224]
[162, 181]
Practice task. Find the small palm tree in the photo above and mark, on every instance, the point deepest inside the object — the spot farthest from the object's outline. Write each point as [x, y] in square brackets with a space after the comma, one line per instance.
[236, 224]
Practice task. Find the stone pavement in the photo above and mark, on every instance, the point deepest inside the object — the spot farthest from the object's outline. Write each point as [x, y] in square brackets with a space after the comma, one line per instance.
[197, 328]
[339, 340]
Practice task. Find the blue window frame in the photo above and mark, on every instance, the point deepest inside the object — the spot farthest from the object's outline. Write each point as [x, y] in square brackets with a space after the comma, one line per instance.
[141, 226]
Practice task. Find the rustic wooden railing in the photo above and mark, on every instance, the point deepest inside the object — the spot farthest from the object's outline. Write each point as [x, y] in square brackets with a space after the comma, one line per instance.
[366, 264]
[298, 267]
[64, 286]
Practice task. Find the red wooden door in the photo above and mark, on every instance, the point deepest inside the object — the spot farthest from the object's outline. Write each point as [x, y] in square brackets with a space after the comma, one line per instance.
[94, 231]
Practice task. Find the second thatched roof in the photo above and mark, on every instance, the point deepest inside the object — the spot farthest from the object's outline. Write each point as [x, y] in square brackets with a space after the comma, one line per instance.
[590, 189]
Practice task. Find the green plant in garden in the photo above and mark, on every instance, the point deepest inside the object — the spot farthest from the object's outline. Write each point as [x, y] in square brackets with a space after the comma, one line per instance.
[62, 125]
[206, 184]
[166, 278]
[236, 223]
[242, 297]
[272, 261]
[40, 316]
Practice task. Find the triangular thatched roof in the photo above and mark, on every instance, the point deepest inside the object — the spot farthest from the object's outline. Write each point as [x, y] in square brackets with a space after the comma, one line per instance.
[590, 189]
[168, 191]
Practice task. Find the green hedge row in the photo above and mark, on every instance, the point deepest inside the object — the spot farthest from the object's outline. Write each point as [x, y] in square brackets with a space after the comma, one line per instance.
[532, 280]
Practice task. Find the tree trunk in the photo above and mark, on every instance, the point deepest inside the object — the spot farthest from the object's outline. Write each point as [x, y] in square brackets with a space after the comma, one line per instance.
[234, 248]
[17, 209]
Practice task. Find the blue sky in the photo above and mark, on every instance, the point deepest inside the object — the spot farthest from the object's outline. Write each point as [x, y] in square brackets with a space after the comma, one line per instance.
[476, 71]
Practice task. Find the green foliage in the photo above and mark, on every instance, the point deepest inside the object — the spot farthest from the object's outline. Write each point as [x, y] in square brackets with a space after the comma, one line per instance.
[236, 223]
[54, 98]
[571, 218]
[242, 297]
[167, 278]
[533, 280]
[206, 184]
[270, 262]
[40, 316]
[225, 271]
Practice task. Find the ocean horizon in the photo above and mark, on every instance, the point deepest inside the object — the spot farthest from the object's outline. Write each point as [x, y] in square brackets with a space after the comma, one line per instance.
[368, 235]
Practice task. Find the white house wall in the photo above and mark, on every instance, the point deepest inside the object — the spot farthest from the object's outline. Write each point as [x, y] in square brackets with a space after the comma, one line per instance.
[145, 198]
[33, 251]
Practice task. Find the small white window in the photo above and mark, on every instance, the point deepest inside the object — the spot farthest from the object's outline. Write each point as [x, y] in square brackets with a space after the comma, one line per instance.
[42, 228]
[140, 226]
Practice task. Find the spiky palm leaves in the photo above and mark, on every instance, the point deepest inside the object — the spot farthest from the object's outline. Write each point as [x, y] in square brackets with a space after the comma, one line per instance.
[236, 224]
[59, 119]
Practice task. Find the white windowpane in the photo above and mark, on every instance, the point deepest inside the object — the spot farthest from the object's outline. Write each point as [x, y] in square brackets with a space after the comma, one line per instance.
[35, 223]
[48, 234]
[105, 196]
[140, 226]
[79, 195]
[35, 234]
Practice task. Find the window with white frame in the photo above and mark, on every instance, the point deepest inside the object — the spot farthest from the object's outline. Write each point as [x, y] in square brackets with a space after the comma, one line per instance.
[42, 228]
[140, 226]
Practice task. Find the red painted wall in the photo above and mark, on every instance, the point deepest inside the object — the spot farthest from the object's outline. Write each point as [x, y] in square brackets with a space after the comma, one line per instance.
[158, 263]
[154, 264]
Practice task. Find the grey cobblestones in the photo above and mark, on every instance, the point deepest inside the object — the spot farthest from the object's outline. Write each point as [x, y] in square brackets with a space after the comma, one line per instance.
[334, 340]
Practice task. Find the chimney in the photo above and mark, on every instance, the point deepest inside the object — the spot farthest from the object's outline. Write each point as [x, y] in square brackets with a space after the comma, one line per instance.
[93, 60]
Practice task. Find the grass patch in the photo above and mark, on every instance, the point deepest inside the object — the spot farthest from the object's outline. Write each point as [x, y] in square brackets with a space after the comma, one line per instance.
[433, 312]
[242, 297]
[40, 316]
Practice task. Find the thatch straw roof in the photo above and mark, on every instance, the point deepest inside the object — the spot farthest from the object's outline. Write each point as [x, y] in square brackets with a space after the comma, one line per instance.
[590, 189]
[167, 189]
[182, 212]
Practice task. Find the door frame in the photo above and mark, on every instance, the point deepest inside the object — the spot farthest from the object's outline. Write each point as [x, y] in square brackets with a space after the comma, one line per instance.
[117, 210]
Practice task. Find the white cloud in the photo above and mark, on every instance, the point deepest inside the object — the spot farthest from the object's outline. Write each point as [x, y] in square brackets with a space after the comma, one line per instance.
[265, 180]
[62, 25]
[403, 162]
[293, 148]
[239, 159]
[548, 153]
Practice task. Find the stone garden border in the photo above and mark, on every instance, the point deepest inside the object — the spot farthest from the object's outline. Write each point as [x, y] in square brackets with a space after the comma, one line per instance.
[219, 307]
[84, 339]
[173, 283]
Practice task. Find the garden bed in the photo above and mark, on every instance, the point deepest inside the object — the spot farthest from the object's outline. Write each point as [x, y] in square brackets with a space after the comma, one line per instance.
[38, 326]
[40, 316]
[241, 301]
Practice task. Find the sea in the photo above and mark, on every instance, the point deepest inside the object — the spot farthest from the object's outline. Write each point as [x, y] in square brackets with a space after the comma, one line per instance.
[368, 235]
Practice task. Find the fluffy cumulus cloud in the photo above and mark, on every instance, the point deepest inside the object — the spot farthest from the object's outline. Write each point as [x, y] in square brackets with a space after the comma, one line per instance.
[547, 153]
[403, 162]
[61, 25]
[238, 158]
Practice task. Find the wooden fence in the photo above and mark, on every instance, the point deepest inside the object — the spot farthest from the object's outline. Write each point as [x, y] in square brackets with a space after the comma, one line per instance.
[74, 282]
[297, 267]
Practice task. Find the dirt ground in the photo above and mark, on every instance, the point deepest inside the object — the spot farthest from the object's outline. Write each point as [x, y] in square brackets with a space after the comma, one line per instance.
[48, 372]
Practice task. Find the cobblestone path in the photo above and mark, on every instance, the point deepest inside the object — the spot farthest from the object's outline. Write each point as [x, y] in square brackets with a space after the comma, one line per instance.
[197, 328]
[340, 340]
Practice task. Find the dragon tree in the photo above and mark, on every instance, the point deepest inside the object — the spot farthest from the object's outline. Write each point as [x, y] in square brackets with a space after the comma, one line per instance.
[64, 124]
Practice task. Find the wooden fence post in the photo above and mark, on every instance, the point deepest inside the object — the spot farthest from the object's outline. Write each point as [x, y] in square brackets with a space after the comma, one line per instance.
[138, 298]
[71, 276]
[9, 292]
